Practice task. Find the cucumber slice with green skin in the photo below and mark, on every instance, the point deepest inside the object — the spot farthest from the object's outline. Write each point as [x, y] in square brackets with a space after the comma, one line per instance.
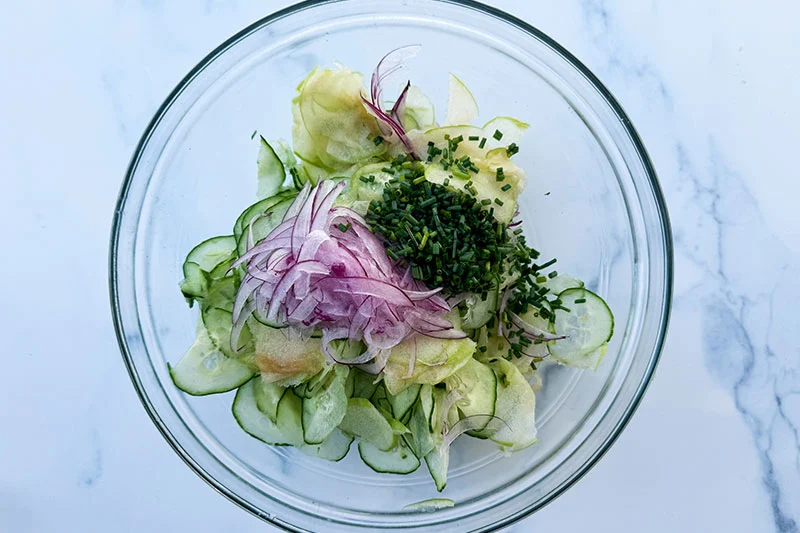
[438, 461]
[562, 282]
[438, 417]
[333, 448]
[428, 506]
[364, 385]
[477, 385]
[516, 405]
[588, 325]
[271, 173]
[252, 420]
[422, 440]
[401, 403]
[397, 460]
[363, 421]
[202, 259]
[259, 208]
[324, 411]
[268, 396]
[263, 225]
[461, 105]
[372, 188]
[205, 370]
[195, 282]
[477, 312]
[211, 252]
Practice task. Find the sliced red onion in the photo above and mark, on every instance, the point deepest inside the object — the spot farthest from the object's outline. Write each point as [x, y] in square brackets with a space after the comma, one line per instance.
[309, 274]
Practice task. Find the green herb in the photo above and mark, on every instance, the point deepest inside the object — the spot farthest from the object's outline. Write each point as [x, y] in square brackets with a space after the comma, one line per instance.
[253, 134]
[377, 140]
[498, 134]
[483, 143]
[512, 149]
[506, 187]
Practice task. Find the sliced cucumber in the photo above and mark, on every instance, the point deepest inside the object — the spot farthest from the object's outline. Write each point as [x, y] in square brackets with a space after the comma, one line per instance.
[588, 325]
[562, 282]
[202, 259]
[461, 106]
[403, 401]
[476, 383]
[422, 439]
[323, 411]
[363, 421]
[209, 253]
[477, 312]
[333, 448]
[259, 208]
[195, 282]
[397, 460]
[364, 384]
[438, 461]
[427, 506]
[368, 182]
[268, 396]
[205, 370]
[263, 225]
[516, 405]
[271, 173]
[252, 420]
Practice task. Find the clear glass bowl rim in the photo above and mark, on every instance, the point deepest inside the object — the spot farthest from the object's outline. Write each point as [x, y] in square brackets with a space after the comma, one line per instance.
[485, 10]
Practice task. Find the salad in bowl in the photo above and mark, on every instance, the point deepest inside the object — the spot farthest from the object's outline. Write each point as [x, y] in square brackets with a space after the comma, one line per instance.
[381, 289]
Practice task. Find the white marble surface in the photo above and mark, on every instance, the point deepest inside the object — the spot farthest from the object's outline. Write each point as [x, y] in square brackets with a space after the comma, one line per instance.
[712, 87]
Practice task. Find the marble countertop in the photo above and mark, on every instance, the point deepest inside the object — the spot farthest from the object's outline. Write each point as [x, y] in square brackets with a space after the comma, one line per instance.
[711, 86]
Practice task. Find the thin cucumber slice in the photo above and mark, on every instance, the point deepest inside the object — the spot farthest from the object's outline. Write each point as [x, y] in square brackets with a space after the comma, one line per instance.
[423, 439]
[195, 282]
[259, 208]
[397, 460]
[562, 282]
[202, 259]
[271, 173]
[364, 384]
[252, 420]
[205, 370]
[476, 383]
[438, 461]
[511, 128]
[405, 400]
[516, 405]
[477, 312]
[324, 411]
[211, 252]
[333, 448]
[428, 506]
[363, 421]
[262, 226]
[268, 396]
[461, 106]
[588, 325]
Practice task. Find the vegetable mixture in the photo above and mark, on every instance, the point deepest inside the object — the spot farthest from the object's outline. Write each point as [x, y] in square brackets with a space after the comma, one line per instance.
[382, 290]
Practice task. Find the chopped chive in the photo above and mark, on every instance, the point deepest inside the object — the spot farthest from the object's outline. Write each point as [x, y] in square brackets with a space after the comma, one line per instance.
[483, 143]
[498, 201]
[377, 140]
[253, 134]
[474, 137]
[498, 134]
[552, 274]
[580, 301]
[512, 149]
[418, 180]
[505, 187]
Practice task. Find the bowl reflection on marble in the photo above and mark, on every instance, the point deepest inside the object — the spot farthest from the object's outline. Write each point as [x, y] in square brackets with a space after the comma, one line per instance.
[592, 201]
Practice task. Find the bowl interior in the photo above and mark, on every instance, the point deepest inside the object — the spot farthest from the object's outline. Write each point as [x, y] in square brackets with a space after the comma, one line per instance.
[589, 202]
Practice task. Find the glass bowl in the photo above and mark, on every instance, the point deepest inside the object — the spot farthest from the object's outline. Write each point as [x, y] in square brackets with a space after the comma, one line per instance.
[592, 201]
